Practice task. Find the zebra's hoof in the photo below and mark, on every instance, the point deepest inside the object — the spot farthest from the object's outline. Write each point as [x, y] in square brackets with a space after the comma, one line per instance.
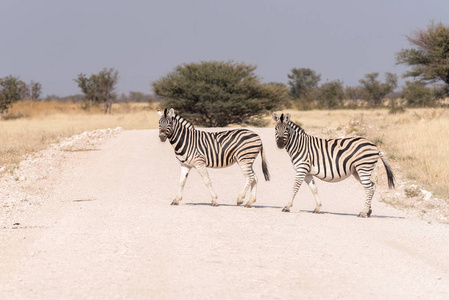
[286, 209]
[239, 203]
[316, 211]
[174, 203]
[363, 214]
[214, 204]
[248, 205]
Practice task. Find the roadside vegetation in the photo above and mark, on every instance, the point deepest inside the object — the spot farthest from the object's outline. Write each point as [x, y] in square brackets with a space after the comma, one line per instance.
[411, 125]
[33, 125]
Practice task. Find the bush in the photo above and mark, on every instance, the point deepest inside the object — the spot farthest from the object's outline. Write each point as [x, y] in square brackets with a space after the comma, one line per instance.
[412, 191]
[331, 94]
[11, 89]
[417, 94]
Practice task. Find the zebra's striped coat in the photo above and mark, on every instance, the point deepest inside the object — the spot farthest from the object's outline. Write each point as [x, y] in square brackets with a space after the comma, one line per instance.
[200, 150]
[331, 160]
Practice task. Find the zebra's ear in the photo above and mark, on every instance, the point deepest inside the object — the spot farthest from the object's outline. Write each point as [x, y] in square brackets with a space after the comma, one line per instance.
[171, 113]
[159, 112]
[275, 117]
[287, 118]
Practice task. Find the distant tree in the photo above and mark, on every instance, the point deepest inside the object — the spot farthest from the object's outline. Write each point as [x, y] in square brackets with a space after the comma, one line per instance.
[10, 92]
[331, 94]
[24, 90]
[136, 96]
[418, 94]
[376, 91]
[154, 98]
[302, 82]
[355, 93]
[35, 90]
[88, 88]
[107, 79]
[216, 93]
[430, 57]
[71, 98]
[99, 87]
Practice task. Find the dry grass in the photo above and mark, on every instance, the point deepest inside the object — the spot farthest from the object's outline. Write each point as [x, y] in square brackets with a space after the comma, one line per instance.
[32, 126]
[418, 141]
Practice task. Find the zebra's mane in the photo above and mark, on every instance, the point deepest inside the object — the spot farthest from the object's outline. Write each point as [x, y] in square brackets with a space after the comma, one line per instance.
[295, 127]
[183, 122]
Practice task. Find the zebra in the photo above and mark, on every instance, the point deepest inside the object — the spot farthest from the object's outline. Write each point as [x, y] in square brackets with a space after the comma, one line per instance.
[202, 150]
[331, 160]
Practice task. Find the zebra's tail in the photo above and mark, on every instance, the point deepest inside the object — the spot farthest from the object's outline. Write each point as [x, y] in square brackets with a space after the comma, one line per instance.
[390, 174]
[266, 174]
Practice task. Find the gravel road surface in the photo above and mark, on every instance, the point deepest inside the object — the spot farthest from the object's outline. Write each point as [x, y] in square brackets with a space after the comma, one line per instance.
[106, 230]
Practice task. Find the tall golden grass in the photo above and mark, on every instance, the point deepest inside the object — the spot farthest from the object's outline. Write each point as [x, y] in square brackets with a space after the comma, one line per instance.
[415, 141]
[31, 126]
[418, 141]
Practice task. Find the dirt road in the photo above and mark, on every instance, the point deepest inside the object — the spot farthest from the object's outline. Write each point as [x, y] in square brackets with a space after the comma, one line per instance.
[107, 231]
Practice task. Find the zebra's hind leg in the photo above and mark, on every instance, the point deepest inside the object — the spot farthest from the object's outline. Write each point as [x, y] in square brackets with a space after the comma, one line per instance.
[369, 190]
[252, 197]
[205, 175]
[248, 172]
[309, 180]
[242, 194]
[182, 181]
[369, 186]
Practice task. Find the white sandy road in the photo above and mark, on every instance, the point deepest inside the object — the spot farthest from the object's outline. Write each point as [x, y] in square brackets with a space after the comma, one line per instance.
[107, 231]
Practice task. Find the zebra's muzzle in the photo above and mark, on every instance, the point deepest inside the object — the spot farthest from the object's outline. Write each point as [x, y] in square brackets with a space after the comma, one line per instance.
[163, 137]
[280, 143]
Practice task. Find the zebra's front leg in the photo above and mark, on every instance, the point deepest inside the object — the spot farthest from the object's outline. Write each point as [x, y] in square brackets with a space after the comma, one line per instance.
[299, 177]
[311, 182]
[182, 181]
[205, 175]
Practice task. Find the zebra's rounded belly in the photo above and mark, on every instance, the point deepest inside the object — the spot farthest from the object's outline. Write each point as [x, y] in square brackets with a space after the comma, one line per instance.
[328, 174]
[335, 178]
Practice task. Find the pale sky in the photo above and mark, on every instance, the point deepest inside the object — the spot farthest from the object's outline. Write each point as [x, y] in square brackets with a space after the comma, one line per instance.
[52, 41]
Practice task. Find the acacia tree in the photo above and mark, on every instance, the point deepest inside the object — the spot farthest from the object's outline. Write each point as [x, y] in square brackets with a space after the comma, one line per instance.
[430, 57]
[216, 93]
[302, 82]
[99, 87]
[10, 92]
[375, 90]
